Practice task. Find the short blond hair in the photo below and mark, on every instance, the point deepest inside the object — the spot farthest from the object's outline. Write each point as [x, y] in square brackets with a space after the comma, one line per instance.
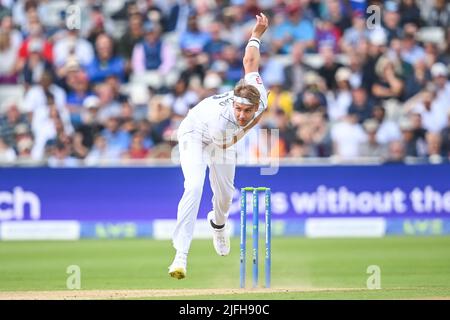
[247, 91]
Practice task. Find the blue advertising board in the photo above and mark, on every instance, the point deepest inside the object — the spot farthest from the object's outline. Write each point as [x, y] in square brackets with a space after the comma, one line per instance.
[121, 195]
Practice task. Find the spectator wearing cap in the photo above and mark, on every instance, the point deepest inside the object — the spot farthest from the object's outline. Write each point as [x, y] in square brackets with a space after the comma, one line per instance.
[296, 28]
[152, 53]
[193, 39]
[372, 148]
[212, 84]
[339, 101]
[105, 62]
[361, 105]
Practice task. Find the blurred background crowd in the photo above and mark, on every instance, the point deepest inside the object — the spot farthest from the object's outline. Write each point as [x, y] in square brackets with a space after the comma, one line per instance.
[348, 80]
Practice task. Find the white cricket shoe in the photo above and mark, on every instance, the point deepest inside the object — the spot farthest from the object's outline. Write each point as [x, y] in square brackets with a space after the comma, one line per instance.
[221, 239]
[178, 267]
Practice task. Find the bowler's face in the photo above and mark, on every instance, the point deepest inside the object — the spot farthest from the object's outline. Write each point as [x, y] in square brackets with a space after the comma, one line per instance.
[244, 113]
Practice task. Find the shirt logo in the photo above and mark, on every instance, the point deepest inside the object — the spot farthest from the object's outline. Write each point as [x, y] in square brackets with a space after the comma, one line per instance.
[258, 80]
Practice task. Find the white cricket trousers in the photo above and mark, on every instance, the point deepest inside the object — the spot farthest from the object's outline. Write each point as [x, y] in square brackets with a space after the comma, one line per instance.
[195, 157]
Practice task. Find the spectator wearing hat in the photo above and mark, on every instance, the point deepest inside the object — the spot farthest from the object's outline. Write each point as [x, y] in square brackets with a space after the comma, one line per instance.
[339, 101]
[296, 28]
[372, 148]
[105, 62]
[152, 53]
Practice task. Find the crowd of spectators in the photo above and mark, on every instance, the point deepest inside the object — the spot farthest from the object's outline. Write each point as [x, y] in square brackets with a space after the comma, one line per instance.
[345, 82]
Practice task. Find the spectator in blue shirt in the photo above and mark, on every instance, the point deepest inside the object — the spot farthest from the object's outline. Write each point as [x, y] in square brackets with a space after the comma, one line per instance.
[105, 62]
[116, 138]
[193, 39]
[295, 29]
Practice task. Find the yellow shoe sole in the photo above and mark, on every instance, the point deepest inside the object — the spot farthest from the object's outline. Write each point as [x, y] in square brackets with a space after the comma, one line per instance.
[178, 273]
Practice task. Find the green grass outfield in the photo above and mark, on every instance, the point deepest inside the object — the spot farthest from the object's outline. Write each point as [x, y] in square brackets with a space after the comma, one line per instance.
[411, 267]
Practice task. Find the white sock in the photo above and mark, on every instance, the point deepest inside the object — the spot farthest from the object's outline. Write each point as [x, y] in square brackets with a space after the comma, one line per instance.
[181, 256]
